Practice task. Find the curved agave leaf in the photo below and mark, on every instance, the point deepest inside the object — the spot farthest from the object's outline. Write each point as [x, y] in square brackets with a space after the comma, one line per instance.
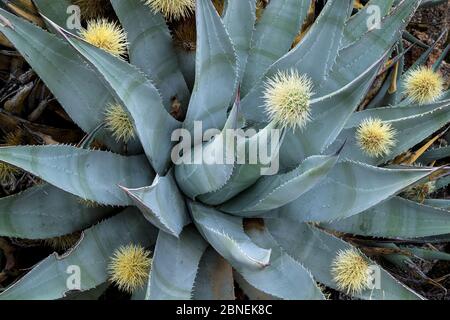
[329, 115]
[284, 277]
[273, 37]
[393, 112]
[321, 43]
[239, 20]
[216, 67]
[186, 60]
[162, 204]
[90, 174]
[175, 265]
[250, 291]
[251, 163]
[350, 188]
[355, 59]
[438, 203]
[151, 49]
[317, 250]
[43, 212]
[55, 10]
[409, 132]
[359, 23]
[434, 155]
[206, 168]
[427, 254]
[271, 192]
[60, 68]
[396, 218]
[226, 234]
[153, 124]
[214, 279]
[50, 278]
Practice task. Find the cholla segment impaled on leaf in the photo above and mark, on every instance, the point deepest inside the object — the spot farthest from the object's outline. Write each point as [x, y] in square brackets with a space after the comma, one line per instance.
[106, 35]
[351, 271]
[172, 9]
[423, 85]
[375, 138]
[129, 267]
[119, 123]
[287, 99]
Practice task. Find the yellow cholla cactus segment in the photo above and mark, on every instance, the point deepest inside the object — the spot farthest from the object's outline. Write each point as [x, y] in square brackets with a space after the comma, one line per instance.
[129, 267]
[423, 85]
[119, 123]
[375, 137]
[351, 271]
[288, 97]
[106, 35]
[172, 9]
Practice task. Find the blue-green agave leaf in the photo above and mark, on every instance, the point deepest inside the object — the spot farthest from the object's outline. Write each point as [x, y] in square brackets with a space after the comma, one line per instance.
[250, 291]
[313, 56]
[61, 68]
[57, 11]
[356, 58]
[162, 204]
[409, 132]
[196, 174]
[175, 265]
[50, 278]
[226, 234]
[273, 37]
[239, 20]
[438, 203]
[284, 278]
[359, 23]
[151, 49]
[393, 112]
[271, 192]
[44, 211]
[329, 115]
[316, 250]
[396, 218]
[215, 72]
[136, 93]
[246, 173]
[350, 188]
[89, 174]
[214, 279]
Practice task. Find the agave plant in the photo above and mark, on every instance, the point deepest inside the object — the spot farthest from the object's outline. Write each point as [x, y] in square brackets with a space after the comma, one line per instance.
[163, 229]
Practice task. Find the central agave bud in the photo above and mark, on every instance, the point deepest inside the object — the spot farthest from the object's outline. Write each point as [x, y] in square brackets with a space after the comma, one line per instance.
[351, 271]
[423, 85]
[129, 267]
[288, 98]
[375, 138]
[173, 9]
[106, 35]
